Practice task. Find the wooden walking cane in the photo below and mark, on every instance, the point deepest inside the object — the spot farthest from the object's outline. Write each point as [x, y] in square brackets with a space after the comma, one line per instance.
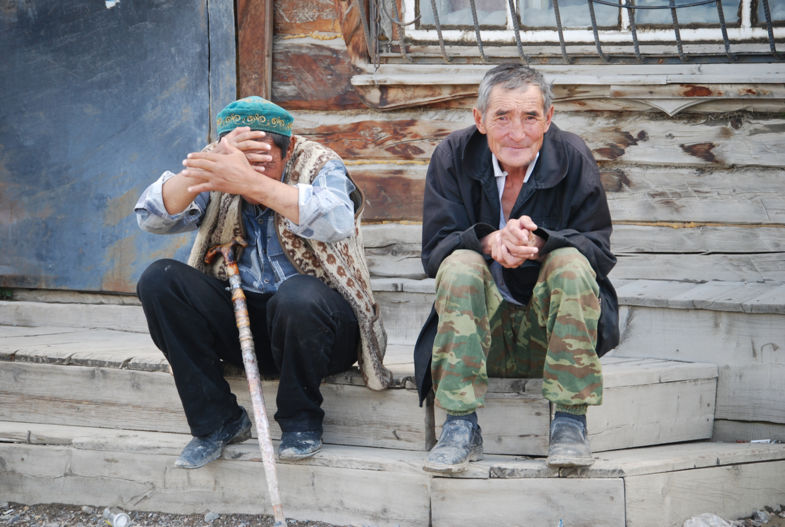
[251, 371]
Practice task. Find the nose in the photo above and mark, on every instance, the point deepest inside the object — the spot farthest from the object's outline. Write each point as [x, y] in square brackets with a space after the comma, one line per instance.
[517, 131]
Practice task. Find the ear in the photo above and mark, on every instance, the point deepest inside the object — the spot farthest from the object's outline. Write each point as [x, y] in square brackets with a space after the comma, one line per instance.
[478, 120]
[290, 149]
[548, 117]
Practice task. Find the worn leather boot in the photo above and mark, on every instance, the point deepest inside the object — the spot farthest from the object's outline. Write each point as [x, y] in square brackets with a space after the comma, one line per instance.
[569, 444]
[460, 442]
[299, 445]
[202, 450]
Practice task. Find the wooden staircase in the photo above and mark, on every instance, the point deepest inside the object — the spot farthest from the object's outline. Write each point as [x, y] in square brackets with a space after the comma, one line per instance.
[89, 415]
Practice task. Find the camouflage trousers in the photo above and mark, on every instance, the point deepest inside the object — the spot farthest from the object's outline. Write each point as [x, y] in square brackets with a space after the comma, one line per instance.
[481, 335]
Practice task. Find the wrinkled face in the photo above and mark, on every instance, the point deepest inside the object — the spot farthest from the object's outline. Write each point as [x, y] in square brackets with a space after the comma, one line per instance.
[514, 123]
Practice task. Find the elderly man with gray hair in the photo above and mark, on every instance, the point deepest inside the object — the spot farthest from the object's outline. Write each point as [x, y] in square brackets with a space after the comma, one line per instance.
[516, 232]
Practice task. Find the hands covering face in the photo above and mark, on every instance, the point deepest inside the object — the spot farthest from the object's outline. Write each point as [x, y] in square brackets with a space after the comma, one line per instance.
[233, 166]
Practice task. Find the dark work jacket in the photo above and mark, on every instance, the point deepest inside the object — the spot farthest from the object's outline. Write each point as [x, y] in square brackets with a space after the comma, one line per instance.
[563, 196]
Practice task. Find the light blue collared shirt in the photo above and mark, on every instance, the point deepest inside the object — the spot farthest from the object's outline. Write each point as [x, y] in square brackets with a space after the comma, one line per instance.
[326, 214]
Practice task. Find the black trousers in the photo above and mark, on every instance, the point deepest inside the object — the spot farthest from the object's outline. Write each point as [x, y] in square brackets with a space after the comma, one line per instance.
[302, 333]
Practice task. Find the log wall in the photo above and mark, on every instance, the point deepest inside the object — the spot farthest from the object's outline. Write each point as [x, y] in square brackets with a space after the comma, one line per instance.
[694, 174]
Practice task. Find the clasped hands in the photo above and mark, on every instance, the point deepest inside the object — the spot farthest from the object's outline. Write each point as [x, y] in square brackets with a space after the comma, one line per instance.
[514, 243]
[232, 166]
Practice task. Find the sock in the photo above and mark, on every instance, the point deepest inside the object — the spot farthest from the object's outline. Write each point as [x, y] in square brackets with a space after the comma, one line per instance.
[580, 418]
[472, 417]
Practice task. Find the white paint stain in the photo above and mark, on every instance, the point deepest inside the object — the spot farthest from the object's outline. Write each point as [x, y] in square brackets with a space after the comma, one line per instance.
[111, 3]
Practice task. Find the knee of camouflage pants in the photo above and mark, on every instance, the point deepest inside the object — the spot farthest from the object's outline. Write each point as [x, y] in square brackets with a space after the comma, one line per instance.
[566, 304]
[466, 299]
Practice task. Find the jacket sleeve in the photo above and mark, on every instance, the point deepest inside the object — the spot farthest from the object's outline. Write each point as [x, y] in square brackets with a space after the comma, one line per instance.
[447, 223]
[588, 228]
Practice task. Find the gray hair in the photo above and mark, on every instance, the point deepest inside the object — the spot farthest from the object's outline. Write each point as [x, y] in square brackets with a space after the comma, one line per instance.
[512, 76]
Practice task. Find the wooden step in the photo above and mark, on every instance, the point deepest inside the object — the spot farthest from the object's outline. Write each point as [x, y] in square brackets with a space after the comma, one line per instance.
[641, 487]
[645, 402]
[112, 379]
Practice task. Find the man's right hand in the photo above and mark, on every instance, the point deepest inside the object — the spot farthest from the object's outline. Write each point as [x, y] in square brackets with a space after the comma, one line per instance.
[250, 143]
[514, 243]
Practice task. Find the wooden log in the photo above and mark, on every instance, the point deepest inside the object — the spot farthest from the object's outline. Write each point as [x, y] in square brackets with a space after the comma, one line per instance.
[313, 75]
[689, 141]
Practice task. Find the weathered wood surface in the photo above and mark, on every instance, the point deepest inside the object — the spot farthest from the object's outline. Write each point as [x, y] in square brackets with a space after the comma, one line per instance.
[147, 482]
[139, 400]
[645, 402]
[645, 194]
[523, 502]
[294, 18]
[313, 74]
[728, 491]
[746, 347]
[669, 88]
[254, 47]
[696, 141]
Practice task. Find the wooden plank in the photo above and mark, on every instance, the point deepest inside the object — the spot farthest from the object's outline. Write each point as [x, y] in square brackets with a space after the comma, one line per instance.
[746, 348]
[636, 461]
[254, 47]
[669, 499]
[762, 267]
[512, 425]
[682, 193]
[312, 74]
[130, 318]
[637, 139]
[148, 401]
[733, 431]
[688, 239]
[391, 194]
[295, 17]
[645, 402]
[147, 483]
[494, 502]
[632, 416]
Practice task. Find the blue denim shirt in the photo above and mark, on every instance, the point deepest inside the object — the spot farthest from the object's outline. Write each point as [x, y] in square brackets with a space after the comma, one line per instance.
[326, 214]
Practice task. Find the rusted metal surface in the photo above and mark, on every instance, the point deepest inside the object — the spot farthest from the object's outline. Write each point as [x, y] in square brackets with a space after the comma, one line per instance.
[251, 366]
[97, 102]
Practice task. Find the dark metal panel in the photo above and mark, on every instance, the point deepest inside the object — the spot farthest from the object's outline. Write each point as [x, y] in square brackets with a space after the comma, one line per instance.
[96, 100]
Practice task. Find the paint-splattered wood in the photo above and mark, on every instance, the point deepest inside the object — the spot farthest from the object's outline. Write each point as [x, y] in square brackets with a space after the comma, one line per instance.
[625, 139]
[312, 74]
[298, 17]
[684, 196]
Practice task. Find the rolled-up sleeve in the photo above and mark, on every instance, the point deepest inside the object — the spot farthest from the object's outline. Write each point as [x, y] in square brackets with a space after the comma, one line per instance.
[325, 206]
[151, 215]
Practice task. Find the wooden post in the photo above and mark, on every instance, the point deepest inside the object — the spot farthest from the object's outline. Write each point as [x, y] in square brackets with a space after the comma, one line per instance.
[254, 47]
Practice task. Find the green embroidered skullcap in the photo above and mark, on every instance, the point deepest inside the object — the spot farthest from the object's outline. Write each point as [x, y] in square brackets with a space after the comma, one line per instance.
[258, 114]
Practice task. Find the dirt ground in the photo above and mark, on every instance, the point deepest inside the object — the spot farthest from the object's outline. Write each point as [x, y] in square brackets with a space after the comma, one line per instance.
[56, 515]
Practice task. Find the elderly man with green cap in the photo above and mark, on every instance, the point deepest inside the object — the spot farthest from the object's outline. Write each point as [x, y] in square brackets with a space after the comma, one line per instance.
[303, 272]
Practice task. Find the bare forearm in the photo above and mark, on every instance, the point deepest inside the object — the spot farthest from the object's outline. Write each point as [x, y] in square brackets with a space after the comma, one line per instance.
[175, 194]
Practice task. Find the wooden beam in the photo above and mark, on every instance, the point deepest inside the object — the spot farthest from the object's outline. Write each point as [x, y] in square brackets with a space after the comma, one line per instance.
[254, 47]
